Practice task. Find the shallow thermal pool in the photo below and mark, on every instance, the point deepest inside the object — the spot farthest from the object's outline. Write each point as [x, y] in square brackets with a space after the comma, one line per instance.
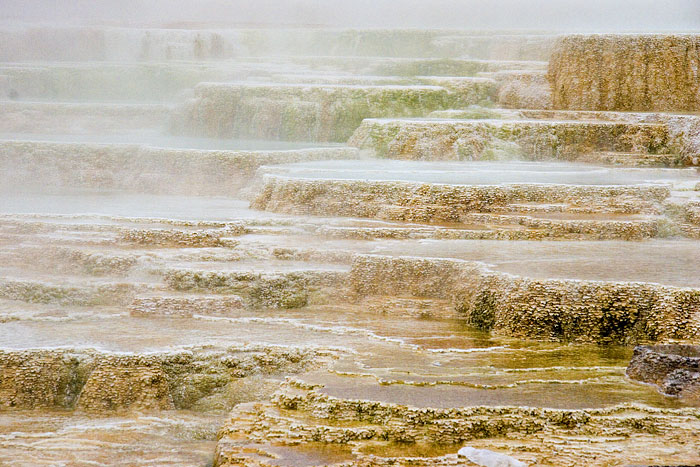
[478, 172]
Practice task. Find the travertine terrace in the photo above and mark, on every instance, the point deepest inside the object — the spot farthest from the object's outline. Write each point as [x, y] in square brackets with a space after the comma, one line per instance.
[311, 247]
[654, 72]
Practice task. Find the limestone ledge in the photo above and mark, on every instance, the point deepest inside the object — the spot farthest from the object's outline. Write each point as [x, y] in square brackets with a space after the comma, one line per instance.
[506, 304]
[631, 159]
[457, 425]
[432, 202]
[179, 238]
[185, 306]
[468, 90]
[544, 309]
[71, 261]
[506, 139]
[292, 289]
[144, 168]
[451, 67]
[94, 381]
[437, 233]
[70, 293]
[636, 229]
[309, 112]
[523, 89]
[683, 129]
[301, 415]
[518, 225]
[658, 72]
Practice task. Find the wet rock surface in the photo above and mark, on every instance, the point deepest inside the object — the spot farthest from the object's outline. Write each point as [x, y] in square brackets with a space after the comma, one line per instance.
[675, 369]
[306, 247]
[655, 72]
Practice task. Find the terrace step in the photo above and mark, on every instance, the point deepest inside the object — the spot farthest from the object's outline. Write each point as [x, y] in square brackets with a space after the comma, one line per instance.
[283, 284]
[184, 305]
[631, 159]
[303, 415]
[505, 139]
[143, 168]
[80, 118]
[446, 192]
[304, 112]
[100, 382]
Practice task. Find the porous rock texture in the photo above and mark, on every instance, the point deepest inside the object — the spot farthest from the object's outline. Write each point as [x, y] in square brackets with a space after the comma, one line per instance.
[549, 309]
[650, 72]
[303, 414]
[426, 202]
[505, 139]
[293, 289]
[674, 368]
[528, 89]
[308, 112]
[103, 382]
[120, 382]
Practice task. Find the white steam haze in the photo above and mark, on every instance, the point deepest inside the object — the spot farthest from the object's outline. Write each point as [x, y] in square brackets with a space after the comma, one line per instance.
[554, 15]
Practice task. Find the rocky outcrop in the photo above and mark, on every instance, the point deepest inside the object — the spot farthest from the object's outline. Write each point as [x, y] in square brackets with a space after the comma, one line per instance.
[432, 202]
[126, 382]
[303, 416]
[626, 72]
[185, 306]
[40, 379]
[203, 379]
[505, 139]
[561, 310]
[523, 90]
[674, 368]
[306, 112]
[80, 294]
[293, 289]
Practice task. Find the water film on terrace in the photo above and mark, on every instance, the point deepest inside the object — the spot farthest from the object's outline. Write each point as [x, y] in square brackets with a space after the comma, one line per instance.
[305, 233]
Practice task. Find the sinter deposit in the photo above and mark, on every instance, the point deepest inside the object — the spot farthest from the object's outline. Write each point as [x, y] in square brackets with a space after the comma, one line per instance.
[309, 246]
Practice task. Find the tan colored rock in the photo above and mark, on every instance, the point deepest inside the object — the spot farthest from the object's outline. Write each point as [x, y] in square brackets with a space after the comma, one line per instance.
[652, 72]
[143, 168]
[128, 382]
[40, 379]
[560, 310]
[506, 139]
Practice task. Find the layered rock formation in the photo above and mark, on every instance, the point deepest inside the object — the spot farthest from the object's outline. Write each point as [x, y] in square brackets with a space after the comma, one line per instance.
[103, 382]
[626, 72]
[471, 265]
[675, 369]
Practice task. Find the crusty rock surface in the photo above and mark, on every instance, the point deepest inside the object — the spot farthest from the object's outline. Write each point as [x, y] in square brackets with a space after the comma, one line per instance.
[674, 368]
[203, 379]
[505, 139]
[651, 72]
[302, 415]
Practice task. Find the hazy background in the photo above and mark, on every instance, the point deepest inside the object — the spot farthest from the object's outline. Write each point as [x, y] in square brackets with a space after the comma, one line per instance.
[559, 15]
